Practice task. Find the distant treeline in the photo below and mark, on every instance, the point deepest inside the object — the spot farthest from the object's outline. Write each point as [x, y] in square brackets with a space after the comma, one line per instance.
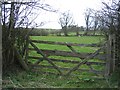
[59, 32]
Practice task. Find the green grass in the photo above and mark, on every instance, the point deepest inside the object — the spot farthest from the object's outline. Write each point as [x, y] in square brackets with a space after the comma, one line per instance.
[81, 39]
[39, 80]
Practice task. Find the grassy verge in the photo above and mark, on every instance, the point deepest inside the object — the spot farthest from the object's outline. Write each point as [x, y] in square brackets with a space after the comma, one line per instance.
[39, 80]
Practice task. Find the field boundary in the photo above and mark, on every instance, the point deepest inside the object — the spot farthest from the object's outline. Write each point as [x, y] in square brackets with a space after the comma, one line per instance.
[84, 57]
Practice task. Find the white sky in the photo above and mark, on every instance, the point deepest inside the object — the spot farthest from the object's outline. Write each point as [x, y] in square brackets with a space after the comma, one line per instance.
[76, 7]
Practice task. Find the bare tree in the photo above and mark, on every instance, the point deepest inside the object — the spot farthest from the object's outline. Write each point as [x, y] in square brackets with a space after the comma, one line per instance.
[74, 28]
[14, 16]
[102, 26]
[118, 43]
[88, 20]
[66, 20]
[111, 18]
[95, 22]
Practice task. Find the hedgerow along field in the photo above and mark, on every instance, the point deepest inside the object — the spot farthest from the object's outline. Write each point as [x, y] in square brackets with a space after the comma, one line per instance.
[42, 80]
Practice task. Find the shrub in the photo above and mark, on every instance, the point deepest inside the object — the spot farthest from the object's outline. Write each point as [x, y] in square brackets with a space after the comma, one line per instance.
[39, 33]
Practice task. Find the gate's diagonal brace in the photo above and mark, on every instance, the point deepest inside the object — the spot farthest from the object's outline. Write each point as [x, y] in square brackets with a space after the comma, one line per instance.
[91, 68]
[72, 49]
[39, 60]
[84, 61]
[38, 50]
[79, 57]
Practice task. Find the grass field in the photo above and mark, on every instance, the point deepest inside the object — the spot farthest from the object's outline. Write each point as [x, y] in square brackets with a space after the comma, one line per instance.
[81, 39]
[81, 80]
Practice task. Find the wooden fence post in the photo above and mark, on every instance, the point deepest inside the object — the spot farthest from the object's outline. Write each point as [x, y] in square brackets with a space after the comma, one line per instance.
[0, 51]
[27, 50]
[114, 51]
[110, 62]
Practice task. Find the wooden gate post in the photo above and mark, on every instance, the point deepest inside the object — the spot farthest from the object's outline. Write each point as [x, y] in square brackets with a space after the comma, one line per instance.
[0, 51]
[110, 62]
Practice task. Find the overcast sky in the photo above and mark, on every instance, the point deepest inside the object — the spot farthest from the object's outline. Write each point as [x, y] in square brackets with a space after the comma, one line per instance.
[76, 7]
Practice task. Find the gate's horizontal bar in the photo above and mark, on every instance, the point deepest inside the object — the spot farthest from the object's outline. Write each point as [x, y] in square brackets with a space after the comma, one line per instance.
[61, 68]
[70, 54]
[47, 72]
[66, 43]
[67, 61]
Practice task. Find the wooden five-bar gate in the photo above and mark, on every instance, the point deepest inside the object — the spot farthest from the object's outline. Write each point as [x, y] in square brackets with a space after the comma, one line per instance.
[97, 57]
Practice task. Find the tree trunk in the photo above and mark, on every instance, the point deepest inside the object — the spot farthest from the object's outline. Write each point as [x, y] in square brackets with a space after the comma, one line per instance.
[94, 31]
[20, 59]
[65, 31]
[86, 32]
[9, 44]
[118, 46]
[0, 54]
[8, 40]
[77, 32]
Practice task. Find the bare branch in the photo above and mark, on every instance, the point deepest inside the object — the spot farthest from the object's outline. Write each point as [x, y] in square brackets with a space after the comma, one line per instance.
[65, 20]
